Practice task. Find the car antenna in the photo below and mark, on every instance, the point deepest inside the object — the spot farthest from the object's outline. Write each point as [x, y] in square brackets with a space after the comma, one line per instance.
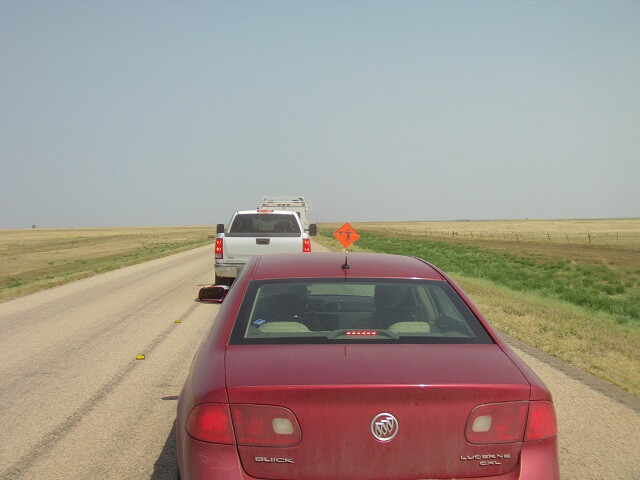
[346, 265]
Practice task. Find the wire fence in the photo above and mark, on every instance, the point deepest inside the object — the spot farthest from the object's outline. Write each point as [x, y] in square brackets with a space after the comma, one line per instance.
[627, 237]
[597, 238]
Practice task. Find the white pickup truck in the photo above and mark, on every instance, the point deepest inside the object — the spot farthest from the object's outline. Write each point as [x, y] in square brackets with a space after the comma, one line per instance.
[257, 232]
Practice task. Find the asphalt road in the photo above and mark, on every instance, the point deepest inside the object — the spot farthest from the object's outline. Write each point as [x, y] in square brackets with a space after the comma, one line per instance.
[76, 404]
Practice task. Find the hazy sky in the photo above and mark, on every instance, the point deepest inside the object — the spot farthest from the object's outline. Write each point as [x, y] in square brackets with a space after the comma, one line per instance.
[178, 113]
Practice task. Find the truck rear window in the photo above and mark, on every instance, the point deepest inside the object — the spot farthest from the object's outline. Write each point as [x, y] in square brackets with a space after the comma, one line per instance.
[339, 311]
[264, 224]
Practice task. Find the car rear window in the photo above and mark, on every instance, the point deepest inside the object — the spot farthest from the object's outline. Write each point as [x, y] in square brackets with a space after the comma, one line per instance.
[345, 311]
[267, 224]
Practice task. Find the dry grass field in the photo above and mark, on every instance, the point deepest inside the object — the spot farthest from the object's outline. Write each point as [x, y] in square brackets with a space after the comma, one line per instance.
[36, 259]
[542, 282]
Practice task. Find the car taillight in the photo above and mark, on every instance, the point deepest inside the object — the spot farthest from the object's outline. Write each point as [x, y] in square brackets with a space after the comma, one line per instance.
[265, 426]
[542, 421]
[306, 245]
[211, 422]
[497, 423]
[219, 248]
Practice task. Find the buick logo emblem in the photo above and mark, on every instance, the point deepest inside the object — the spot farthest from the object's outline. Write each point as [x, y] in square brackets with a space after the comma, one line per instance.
[384, 427]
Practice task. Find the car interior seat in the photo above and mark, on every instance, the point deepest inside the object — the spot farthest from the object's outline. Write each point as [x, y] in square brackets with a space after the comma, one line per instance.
[391, 302]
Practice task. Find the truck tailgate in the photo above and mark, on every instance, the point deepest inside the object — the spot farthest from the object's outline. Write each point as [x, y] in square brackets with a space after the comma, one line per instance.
[243, 248]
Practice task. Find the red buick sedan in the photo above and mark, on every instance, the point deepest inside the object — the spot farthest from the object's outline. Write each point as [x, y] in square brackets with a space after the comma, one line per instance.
[321, 367]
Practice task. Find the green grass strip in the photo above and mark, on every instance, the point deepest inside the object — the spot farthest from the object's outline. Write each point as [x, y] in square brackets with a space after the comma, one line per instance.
[597, 287]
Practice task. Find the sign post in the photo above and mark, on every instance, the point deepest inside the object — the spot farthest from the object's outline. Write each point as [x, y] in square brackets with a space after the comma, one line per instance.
[346, 235]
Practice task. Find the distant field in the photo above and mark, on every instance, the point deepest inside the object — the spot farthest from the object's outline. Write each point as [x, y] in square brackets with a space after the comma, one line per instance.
[623, 233]
[576, 300]
[37, 259]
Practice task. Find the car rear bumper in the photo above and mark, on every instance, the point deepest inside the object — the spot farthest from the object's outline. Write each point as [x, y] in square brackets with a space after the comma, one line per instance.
[207, 461]
[228, 271]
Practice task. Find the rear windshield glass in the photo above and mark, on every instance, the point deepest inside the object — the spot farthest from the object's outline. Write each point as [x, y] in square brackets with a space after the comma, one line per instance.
[370, 311]
[264, 224]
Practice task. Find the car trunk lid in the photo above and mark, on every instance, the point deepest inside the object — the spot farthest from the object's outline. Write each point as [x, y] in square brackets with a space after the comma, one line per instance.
[339, 392]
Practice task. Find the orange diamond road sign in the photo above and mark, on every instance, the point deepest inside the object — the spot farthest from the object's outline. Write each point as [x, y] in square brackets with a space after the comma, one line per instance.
[346, 235]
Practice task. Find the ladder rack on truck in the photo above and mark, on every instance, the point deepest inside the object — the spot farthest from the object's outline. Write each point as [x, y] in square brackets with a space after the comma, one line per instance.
[298, 204]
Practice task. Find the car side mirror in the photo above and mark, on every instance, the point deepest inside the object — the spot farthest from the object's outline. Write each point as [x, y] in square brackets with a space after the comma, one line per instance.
[213, 293]
[220, 228]
[313, 230]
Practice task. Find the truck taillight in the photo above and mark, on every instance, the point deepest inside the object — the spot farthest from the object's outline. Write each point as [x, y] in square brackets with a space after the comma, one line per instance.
[219, 250]
[306, 245]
